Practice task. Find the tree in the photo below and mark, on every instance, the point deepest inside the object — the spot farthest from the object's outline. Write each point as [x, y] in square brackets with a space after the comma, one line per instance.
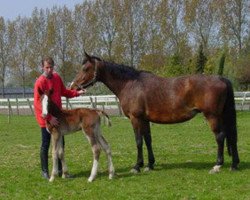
[233, 21]
[4, 53]
[107, 11]
[21, 51]
[200, 16]
[221, 64]
[201, 61]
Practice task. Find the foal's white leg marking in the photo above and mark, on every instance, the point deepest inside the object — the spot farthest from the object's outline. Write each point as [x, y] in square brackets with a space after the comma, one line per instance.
[55, 146]
[45, 105]
[215, 169]
[93, 171]
[107, 150]
[96, 154]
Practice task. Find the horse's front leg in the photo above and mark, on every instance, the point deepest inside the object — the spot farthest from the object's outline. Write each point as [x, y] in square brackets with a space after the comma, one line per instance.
[139, 143]
[148, 141]
[55, 147]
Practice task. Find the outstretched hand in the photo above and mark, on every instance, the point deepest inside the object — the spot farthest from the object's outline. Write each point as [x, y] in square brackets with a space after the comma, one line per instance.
[81, 92]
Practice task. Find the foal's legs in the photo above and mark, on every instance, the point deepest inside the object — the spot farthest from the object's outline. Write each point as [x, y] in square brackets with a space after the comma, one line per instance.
[55, 148]
[62, 158]
[103, 143]
[216, 126]
[96, 153]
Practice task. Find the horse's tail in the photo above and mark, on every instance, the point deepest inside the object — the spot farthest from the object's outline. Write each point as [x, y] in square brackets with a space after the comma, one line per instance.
[102, 113]
[229, 118]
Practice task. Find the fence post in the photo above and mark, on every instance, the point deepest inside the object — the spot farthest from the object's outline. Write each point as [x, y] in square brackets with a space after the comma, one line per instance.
[31, 109]
[119, 107]
[17, 106]
[9, 110]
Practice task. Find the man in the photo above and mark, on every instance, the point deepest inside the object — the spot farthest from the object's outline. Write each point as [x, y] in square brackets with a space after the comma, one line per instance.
[48, 80]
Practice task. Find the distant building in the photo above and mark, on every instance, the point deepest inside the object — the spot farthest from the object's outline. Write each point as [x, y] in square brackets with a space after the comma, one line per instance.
[16, 93]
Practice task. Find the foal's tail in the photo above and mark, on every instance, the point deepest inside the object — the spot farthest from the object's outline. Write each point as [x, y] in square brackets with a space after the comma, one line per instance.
[229, 118]
[102, 113]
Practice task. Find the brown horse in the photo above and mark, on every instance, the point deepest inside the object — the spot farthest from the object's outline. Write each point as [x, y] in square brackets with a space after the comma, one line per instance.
[87, 120]
[145, 98]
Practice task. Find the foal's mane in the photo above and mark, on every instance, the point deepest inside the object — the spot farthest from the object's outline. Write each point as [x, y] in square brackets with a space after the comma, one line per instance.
[53, 109]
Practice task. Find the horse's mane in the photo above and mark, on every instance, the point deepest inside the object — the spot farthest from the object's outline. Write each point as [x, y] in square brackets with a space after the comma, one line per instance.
[121, 71]
[54, 109]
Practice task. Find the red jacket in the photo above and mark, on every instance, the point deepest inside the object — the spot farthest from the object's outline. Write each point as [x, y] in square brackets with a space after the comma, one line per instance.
[44, 84]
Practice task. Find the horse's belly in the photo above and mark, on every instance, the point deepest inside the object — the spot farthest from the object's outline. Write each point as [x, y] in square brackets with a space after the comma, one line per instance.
[169, 117]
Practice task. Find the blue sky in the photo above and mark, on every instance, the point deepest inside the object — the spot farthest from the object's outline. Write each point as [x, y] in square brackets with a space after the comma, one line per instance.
[10, 9]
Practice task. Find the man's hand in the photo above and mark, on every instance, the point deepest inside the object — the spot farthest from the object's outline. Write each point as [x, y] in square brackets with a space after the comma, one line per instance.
[53, 121]
[81, 92]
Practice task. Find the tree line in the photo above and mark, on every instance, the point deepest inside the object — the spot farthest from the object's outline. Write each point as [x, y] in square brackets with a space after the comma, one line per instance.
[167, 37]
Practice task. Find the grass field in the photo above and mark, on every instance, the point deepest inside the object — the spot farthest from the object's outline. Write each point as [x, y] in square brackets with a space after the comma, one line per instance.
[184, 155]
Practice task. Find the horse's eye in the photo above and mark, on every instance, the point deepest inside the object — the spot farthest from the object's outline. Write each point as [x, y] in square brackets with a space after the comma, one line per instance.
[85, 69]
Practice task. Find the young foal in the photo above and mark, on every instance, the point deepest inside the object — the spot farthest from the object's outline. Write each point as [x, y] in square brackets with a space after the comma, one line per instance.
[87, 120]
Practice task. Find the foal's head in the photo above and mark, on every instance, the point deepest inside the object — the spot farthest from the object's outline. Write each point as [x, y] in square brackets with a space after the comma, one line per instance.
[47, 104]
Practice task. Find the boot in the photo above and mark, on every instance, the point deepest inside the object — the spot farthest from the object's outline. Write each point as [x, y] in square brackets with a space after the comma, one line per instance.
[44, 163]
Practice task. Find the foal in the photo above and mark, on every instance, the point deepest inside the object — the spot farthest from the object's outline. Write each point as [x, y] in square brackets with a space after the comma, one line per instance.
[87, 120]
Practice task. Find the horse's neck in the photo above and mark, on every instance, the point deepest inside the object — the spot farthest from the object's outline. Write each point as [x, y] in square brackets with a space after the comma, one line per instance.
[114, 83]
[54, 110]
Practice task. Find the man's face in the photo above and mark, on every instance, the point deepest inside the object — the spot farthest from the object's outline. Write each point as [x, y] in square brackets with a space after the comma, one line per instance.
[48, 69]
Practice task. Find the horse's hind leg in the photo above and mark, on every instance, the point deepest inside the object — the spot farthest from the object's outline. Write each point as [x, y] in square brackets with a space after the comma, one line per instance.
[96, 154]
[103, 143]
[216, 126]
[62, 158]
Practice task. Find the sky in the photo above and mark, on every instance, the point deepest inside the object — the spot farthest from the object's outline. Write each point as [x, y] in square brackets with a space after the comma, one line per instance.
[10, 9]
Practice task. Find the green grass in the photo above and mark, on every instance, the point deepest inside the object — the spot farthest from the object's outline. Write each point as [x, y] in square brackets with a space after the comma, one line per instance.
[184, 155]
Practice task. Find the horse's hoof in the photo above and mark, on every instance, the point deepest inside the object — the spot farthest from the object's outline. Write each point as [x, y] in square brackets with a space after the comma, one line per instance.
[51, 179]
[147, 169]
[233, 169]
[90, 179]
[111, 176]
[134, 171]
[216, 169]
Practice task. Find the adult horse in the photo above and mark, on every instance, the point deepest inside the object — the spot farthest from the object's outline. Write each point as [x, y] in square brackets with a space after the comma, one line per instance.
[145, 97]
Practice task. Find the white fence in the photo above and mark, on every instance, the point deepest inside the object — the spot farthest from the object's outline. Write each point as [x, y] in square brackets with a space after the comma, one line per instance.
[109, 103]
[22, 106]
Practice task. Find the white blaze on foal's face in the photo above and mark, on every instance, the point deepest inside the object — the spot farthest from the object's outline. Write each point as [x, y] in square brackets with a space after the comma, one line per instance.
[45, 106]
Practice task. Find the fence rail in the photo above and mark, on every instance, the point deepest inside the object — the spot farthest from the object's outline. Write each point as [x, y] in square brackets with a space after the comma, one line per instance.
[22, 106]
[109, 103]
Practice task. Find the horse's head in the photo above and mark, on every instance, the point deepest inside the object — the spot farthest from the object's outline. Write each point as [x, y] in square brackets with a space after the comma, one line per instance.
[87, 74]
[46, 102]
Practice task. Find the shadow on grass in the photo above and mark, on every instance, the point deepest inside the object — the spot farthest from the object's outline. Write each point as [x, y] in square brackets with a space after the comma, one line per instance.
[125, 172]
[198, 166]
[119, 173]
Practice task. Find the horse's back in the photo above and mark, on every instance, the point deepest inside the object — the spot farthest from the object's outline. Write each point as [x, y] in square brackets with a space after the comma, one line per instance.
[171, 100]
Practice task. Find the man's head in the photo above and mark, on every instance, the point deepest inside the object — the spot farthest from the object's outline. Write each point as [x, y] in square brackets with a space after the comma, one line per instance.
[48, 66]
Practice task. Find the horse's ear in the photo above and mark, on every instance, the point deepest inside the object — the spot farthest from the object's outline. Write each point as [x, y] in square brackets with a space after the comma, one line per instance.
[40, 92]
[51, 91]
[87, 56]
